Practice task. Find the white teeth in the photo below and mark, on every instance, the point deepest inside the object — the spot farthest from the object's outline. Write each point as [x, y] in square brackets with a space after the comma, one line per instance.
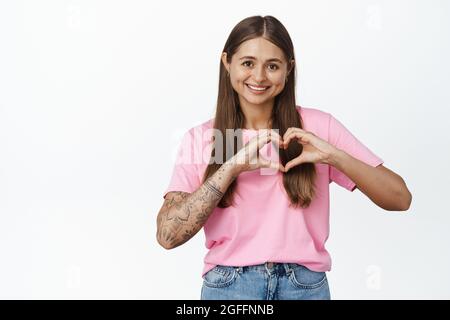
[257, 89]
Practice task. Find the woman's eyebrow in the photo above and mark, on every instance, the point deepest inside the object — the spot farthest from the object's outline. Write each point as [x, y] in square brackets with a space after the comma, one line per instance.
[268, 60]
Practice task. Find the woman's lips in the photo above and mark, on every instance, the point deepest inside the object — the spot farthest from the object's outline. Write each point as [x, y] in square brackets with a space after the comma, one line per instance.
[257, 91]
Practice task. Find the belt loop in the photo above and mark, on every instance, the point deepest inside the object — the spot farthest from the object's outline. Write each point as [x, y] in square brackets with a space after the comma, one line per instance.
[268, 270]
[288, 268]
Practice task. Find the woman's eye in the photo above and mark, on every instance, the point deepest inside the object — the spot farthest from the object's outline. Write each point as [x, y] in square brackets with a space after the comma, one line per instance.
[272, 67]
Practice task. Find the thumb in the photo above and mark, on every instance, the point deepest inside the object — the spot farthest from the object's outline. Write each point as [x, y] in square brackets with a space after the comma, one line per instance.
[293, 163]
[270, 164]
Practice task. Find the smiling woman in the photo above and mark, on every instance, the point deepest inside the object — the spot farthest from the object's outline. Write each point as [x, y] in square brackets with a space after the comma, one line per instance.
[266, 229]
[258, 72]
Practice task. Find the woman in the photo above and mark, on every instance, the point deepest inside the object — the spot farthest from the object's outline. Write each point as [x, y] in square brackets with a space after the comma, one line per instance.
[265, 206]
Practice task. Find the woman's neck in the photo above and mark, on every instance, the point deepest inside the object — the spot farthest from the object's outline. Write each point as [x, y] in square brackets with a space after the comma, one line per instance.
[257, 116]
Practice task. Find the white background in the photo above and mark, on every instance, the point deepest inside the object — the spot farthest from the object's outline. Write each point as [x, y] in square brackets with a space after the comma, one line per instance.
[95, 95]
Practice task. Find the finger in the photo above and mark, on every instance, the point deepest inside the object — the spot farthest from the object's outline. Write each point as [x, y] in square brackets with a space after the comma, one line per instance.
[274, 132]
[290, 130]
[266, 136]
[303, 137]
[293, 129]
[288, 133]
[293, 163]
[294, 135]
[253, 144]
[252, 147]
[270, 164]
[276, 139]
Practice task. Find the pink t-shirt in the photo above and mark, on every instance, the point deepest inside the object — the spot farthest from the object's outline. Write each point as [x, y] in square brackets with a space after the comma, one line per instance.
[262, 226]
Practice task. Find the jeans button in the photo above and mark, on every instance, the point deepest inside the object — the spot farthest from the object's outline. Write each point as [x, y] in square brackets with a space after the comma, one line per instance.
[270, 265]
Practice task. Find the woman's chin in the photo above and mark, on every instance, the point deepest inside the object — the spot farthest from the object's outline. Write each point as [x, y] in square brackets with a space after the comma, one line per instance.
[256, 100]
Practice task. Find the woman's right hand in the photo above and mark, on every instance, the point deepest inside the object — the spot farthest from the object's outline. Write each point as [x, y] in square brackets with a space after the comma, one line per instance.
[248, 158]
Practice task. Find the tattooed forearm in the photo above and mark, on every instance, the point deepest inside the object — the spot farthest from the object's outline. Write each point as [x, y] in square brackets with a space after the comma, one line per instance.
[184, 214]
[213, 189]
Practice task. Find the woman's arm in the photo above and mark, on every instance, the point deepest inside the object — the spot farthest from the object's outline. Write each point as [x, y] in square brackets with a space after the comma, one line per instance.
[383, 186]
[183, 214]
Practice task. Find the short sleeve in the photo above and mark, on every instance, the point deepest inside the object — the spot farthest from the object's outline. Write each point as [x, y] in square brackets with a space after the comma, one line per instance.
[340, 137]
[185, 172]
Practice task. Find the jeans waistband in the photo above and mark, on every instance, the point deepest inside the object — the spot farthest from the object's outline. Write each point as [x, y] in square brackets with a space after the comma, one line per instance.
[270, 268]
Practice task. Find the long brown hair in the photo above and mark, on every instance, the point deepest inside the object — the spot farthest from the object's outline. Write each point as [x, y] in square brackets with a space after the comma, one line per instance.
[299, 180]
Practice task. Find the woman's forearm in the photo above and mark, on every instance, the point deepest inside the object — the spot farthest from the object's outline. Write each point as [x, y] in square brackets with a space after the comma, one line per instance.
[182, 217]
[383, 186]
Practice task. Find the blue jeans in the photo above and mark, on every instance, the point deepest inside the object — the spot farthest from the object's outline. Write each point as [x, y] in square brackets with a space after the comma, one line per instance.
[268, 281]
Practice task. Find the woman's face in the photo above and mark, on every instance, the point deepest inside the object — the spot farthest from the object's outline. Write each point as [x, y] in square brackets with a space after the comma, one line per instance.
[258, 62]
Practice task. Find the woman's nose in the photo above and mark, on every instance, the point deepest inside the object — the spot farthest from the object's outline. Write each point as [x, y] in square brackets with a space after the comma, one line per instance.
[259, 74]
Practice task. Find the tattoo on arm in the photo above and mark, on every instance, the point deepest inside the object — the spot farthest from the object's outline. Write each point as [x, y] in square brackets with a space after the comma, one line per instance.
[213, 189]
[184, 214]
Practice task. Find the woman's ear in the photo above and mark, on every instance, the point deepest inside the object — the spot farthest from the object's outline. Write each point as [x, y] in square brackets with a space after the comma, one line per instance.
[224, 61]
[291, 66]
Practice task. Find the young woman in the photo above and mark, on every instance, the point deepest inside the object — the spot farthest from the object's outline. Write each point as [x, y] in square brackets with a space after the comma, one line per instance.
[264, 207]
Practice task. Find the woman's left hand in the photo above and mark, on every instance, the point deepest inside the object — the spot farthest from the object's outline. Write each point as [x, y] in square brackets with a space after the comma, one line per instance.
[315, 150]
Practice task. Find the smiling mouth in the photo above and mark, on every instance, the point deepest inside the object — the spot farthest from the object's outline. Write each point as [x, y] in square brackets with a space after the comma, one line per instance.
[257, 88]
